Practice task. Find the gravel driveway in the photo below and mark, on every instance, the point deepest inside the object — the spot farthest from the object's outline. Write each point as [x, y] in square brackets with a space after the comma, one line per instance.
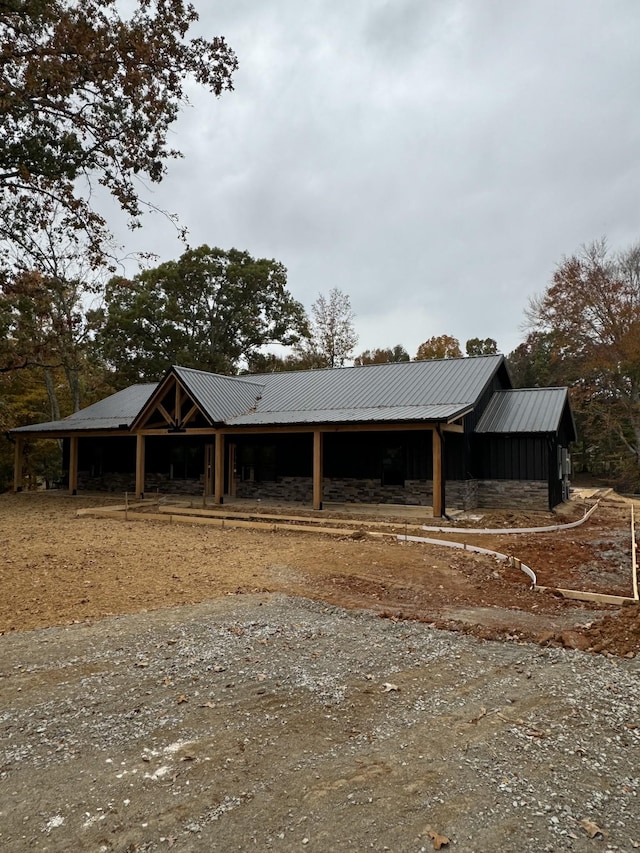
[266, 722]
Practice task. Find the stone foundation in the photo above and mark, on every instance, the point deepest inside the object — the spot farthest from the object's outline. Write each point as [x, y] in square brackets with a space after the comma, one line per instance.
[460, 494]
[282, 489]
[513, 494]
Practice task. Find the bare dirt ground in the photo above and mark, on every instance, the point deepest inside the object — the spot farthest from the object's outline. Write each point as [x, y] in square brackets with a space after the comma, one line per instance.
[59, 569]
[175, 687]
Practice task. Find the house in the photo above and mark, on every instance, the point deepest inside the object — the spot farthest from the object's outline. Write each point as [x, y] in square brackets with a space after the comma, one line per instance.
[445, 433]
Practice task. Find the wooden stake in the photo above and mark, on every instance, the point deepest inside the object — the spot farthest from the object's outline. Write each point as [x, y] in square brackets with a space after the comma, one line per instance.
[317, 469]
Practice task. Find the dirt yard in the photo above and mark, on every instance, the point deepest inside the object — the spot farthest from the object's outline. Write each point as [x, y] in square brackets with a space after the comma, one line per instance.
[188, 688]
[59, 569]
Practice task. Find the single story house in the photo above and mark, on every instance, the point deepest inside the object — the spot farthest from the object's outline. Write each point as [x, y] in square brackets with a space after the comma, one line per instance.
[446, 433]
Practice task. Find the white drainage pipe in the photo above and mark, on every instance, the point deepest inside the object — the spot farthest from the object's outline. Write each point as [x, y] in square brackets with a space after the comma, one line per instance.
[503, 530]
[513, 561]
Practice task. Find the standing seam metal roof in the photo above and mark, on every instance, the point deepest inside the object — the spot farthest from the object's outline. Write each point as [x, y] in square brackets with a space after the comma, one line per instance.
[524, 410]
[111, 413]
[419, 390]
[219, 396]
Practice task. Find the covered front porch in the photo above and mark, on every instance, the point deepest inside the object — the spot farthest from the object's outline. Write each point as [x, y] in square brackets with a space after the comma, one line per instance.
[360, 464]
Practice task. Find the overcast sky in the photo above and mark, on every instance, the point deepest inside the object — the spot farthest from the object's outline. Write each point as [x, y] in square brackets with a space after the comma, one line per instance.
[434, 159]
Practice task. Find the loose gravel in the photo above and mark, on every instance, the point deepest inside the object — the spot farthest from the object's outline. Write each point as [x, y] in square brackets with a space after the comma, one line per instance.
[271, 722]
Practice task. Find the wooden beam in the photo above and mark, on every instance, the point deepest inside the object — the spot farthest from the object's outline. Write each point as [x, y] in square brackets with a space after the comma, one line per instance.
[73, 465]
[178, 403]
[218, 491]
[140, 466]
[165, 414]
[232, 469]
[208, 469]
[18, 460]
[317, 469]
[437, 474]
[192, 411]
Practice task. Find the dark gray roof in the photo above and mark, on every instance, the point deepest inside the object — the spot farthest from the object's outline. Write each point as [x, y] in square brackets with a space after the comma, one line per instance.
[371, 414]
[220, 397]
[406, 391]
[439, 390]
[524, 410]
[114, 412]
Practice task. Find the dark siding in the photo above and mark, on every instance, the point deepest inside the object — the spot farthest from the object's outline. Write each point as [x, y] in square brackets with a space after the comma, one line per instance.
[511, 457]
[363, 455]
[272, 456]
[99, 456]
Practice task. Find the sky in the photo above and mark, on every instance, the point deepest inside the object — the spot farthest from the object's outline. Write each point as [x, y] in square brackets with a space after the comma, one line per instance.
[433, 159]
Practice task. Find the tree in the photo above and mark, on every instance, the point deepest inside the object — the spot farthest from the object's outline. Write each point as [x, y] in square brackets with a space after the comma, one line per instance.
[46, 330]
[383, 356]
[88, 95]
[478, 346]
[211, 309]
[592, 310]
[443, 346]
[332, 333]
[537, 362]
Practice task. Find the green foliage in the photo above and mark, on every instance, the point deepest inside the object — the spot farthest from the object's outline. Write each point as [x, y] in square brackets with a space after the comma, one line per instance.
[211, 310]
[383, 355]
[23, 400]
[89, 95]
[480, 346]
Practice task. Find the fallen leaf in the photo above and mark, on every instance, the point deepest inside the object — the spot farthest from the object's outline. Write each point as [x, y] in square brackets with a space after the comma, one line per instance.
[438, 840]
[592, 829]
[182, 698]
[387, 687]
[483, 713]
[207, 705]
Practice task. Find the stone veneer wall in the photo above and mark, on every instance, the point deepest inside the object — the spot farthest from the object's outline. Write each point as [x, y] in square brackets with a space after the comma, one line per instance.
[127, 483]
[106, 482]
[508, 494]
[460, 494]
[283, 489]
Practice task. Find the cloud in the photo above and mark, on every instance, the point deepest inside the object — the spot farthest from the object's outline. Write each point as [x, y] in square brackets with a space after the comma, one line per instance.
[435, 161]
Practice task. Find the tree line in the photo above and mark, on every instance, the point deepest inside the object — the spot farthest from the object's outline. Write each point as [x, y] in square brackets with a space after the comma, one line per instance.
[67, 341]
[90, 91]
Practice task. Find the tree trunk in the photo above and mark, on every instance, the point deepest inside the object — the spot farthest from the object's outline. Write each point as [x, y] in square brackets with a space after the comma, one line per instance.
[54, 406]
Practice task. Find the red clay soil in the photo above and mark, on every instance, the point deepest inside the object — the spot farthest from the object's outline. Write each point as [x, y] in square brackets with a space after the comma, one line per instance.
[57, 568]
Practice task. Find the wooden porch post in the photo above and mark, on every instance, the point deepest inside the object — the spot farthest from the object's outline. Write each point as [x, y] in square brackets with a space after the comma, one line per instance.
[437, 473]
[140, 466]
[18, 458]
[317, 469]
[232, 470]
[219, 469]
[73, 465]
[208, 469]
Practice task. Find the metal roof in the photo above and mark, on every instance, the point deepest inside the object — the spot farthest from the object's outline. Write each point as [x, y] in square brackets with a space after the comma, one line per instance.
[113, 412]
[451, 381]
[220, 397]
[524, 410]
[439, 390]
[371, 414]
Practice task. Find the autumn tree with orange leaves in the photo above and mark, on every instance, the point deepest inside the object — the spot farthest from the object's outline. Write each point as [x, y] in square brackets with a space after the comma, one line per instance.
[88, 95]
[591, 315]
